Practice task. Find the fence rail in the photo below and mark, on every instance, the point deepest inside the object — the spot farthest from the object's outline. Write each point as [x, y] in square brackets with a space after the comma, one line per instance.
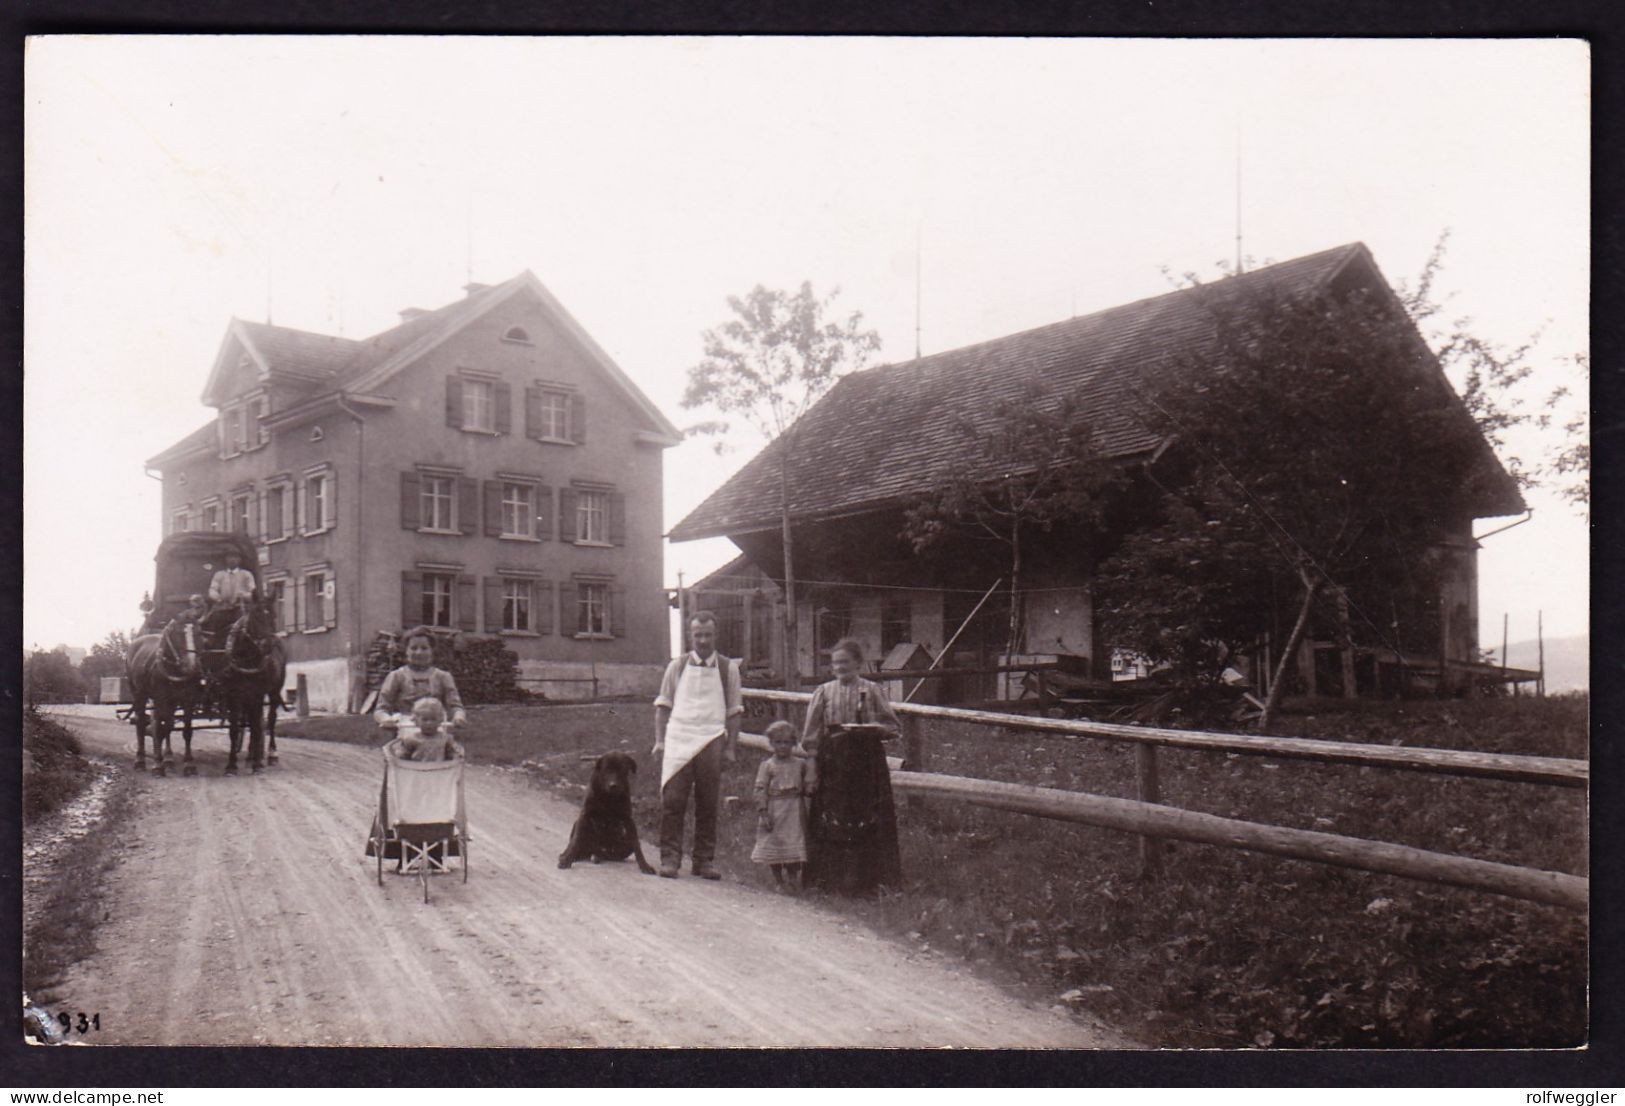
[1557, 771]
[1152, 820]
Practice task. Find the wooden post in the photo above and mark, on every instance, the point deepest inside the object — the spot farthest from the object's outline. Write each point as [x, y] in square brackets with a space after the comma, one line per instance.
[1540, 643]
[301, 695]
[1306, 665]
[745, 635]
[1504, 654]
[1150, 790]
[914, 755]
[1346, 649]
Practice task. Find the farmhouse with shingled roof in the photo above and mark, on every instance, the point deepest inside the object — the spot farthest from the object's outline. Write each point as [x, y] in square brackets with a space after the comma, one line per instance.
[484, 467]
[880, 438]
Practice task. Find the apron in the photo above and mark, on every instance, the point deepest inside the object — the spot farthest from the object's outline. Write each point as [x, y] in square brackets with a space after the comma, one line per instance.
[699, 712]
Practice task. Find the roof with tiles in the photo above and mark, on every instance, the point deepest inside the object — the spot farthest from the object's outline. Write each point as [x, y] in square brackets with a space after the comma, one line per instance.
[883, 435]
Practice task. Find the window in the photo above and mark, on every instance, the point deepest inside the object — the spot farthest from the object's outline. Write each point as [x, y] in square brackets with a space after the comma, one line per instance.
[592, 608]
[439, 498]
[281, 598]
[242, 512]
[437, 592]
[317, 506]
[320, 600]
[592, 517]
[181, 520]
[278, 511]
[518, 510]
[554, 416]
[211, 515]
[516, 334]
[894, 622]
[516, 605]
[479, 405]
[238, 428]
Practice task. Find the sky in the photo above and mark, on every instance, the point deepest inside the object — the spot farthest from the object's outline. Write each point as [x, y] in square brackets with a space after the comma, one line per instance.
[325, 183]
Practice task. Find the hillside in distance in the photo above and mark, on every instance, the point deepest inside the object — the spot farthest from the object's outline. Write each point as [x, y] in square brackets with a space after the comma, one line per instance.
[1568, 661]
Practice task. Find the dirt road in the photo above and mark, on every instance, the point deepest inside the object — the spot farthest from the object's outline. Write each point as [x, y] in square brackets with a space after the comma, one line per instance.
[242, 911]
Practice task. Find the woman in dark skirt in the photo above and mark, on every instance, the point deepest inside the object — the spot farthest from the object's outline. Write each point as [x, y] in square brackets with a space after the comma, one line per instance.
[852, 823]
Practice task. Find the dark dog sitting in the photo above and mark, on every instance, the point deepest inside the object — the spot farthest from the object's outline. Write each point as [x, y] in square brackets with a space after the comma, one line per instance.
[605, 830]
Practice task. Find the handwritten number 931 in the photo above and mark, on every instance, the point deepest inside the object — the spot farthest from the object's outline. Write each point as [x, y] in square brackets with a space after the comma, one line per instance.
[84, 1023]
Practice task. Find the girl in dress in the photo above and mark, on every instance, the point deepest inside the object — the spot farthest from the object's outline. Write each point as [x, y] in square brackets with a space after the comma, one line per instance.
[852, 823]
[783, 783]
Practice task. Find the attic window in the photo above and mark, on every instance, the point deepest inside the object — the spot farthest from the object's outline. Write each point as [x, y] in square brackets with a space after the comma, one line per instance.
[517, 334]
[316, 434]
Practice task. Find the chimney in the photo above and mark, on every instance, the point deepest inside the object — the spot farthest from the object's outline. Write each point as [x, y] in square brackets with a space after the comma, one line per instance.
[410, 313]
[474, 286]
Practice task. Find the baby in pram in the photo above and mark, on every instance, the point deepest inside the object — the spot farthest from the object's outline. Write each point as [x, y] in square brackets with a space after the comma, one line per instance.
[425, 736]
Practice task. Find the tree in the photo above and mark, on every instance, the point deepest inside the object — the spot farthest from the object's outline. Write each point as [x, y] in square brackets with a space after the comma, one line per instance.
[106, 658]
[1320, 441]
[49, 677]
[1025, 466]
[767, 366]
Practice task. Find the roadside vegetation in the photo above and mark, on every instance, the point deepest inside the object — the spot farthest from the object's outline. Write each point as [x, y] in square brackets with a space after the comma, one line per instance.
[1226, 948]
[63, 909]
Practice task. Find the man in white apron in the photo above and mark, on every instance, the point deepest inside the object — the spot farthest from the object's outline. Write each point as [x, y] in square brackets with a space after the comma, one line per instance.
[696, 733]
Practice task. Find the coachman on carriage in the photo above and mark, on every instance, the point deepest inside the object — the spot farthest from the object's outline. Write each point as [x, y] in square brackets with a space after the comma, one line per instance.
[208, 648]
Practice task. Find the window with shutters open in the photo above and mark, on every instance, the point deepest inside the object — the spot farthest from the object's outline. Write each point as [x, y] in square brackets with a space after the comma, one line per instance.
[438, 589]
[592, 514]
[479, 403]
[438, 501]
[280, 596]
[180, 520]
[511, 509]
[318, 600]
[598, 611]
[242, 511]
[317, 505]
[211, 514]
[556, 414]
[276, 510]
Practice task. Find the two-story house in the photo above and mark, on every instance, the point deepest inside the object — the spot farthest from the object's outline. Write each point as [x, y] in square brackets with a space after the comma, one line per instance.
[484, 466]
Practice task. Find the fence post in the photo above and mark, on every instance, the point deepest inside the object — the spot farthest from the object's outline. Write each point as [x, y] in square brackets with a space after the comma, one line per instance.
[913, 743]
[301, 695]
[1150, 791]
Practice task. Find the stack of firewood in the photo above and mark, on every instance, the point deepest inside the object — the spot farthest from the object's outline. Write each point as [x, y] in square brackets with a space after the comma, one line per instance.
[485, 669]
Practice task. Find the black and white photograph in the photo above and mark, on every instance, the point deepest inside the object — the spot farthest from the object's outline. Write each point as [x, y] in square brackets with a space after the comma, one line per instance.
[806, 542]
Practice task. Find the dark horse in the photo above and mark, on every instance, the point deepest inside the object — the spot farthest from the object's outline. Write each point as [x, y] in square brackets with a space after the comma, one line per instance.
[250, 677]
[166, 671]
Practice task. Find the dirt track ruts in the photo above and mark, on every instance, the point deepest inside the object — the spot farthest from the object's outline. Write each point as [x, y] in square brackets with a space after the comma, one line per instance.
[242, 911]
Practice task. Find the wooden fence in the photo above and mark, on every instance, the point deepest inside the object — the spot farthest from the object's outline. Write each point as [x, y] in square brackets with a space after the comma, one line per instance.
[1153, 821]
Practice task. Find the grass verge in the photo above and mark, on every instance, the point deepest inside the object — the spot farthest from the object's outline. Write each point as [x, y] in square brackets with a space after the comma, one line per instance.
[64, 908]
[1227, 948]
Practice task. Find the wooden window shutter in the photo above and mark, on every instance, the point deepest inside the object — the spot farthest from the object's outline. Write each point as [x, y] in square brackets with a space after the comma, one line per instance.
[541, 606]
[504, 404]
[617, 611]
[454, 402]
[299, 604]
[468, 505]
[411, 500]
[262, 501]
[617, 518]
[567, 514]
[544, 513]
[262, 411]
[569, 609]
[330, 600]
[467, 604]
[330, 501]
[299, 522]
[578, 418]
[290, 617]
[411, 599]
[533, 412]
[493, 604]
[493, 508]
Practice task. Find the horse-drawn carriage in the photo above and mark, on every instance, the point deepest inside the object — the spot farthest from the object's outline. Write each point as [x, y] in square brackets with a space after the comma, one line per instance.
[229, 672]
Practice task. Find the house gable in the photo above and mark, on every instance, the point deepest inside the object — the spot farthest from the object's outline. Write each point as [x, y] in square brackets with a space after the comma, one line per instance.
[458, 317]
